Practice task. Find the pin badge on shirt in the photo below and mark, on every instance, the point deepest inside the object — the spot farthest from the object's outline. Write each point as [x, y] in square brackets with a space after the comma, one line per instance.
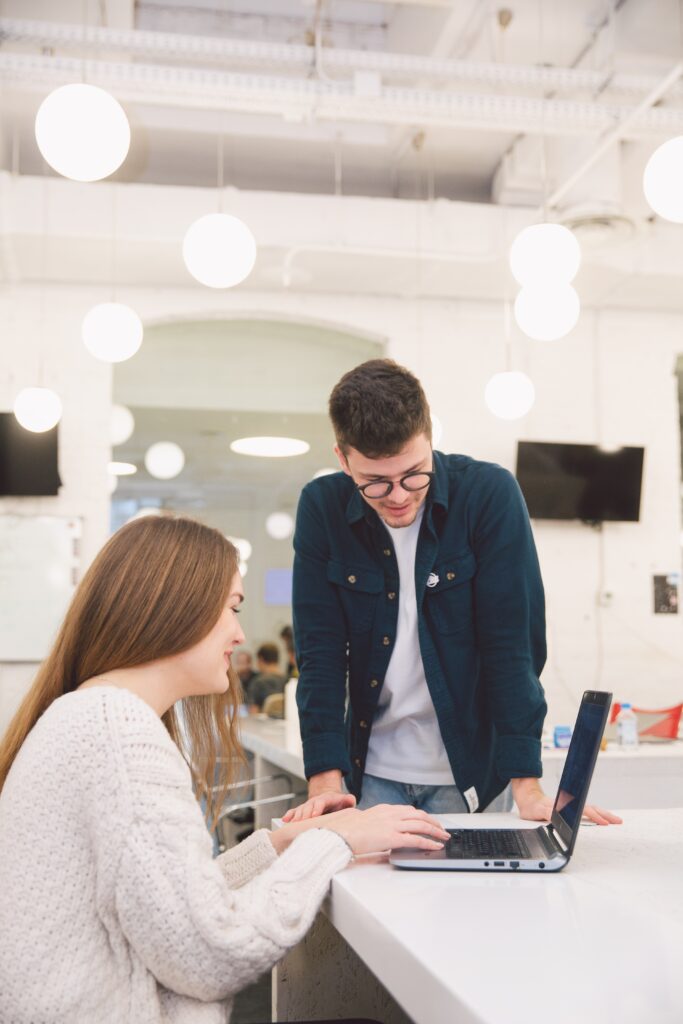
[433, 579]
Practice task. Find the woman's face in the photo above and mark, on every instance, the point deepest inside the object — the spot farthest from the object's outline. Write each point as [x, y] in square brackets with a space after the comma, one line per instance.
[204, 667]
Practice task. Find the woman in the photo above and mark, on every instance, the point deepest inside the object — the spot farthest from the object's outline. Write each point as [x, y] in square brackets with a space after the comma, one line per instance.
[112, 907]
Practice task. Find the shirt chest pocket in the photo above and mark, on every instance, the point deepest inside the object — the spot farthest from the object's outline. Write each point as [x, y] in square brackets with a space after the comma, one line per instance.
[358, 588]
[449, 595]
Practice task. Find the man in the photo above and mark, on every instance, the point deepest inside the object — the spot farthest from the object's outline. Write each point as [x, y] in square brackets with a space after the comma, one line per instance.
[287, 637]
[244, 667]
[267, 680]
[415, 575]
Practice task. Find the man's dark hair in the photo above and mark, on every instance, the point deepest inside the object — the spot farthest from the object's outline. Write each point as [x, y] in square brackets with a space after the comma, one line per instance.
[377, 408]
[287, 637]
[268, 653]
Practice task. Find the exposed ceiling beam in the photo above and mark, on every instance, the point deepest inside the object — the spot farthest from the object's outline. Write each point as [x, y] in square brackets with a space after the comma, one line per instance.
[268, 55]
[311, 99]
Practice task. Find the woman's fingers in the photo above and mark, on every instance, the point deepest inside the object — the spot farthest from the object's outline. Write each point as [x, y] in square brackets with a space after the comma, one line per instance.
[410, 841]
[421, 827]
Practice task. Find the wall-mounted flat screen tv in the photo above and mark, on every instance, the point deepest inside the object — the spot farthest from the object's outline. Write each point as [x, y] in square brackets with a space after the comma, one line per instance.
[580, 481]
[28, 461]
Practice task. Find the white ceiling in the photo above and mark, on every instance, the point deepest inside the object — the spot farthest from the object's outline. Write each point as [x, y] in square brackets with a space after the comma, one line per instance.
[356, 146]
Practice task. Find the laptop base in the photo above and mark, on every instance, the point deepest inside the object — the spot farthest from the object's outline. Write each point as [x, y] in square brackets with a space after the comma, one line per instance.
[489, 850]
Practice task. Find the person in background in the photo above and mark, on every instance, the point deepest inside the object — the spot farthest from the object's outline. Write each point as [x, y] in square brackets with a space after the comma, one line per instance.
[416, 579]
[287, 637]
[244, 667]
[113, 909]
[268, 680]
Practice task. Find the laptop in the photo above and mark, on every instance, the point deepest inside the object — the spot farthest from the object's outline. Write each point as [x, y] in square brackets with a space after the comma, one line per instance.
[547, 848]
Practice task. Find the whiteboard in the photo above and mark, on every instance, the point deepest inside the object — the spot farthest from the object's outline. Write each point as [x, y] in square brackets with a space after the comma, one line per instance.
[39, 557]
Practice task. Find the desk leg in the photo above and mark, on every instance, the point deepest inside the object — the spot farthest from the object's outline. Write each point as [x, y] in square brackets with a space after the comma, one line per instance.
[323, 978]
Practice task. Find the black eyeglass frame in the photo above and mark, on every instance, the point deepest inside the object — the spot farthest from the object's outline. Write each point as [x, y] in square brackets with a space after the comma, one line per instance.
[391, 484]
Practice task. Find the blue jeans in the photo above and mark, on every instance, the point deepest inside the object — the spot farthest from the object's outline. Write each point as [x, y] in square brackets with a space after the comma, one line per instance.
[432, 799]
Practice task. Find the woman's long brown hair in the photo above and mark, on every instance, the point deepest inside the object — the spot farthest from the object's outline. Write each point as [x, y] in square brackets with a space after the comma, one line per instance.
[156, 588]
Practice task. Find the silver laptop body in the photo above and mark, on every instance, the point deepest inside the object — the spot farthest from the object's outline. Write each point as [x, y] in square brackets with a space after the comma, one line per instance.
[546, 848]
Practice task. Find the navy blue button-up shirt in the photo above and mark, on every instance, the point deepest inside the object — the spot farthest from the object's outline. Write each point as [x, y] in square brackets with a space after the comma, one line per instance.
[481, 626]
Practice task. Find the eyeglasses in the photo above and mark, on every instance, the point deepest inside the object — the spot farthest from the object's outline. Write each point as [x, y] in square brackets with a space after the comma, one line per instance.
[409, 482]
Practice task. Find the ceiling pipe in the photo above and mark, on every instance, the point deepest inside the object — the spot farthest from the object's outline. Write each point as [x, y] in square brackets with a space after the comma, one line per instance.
[618, 132]
[392, 66]
[493, 254]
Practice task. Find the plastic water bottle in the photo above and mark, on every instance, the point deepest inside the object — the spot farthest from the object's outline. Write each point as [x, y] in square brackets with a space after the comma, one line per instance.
[627, 727]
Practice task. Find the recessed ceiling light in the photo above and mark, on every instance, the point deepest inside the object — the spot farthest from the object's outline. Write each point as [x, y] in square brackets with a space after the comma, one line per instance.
[270, 447]
[122, 468]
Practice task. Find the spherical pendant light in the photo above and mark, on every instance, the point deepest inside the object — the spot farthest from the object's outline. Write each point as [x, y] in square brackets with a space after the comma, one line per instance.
[164, 460]
[112, 332]
[121, 424]
[663, 180]
[38, 409]
[82, 132]
[545, 254]
[547, 313]
[279, 525]
[219, 250]
[243, 546]
[509, 395]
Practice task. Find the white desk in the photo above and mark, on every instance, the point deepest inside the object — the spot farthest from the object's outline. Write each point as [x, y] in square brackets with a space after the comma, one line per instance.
[651, 776]
[600, 942]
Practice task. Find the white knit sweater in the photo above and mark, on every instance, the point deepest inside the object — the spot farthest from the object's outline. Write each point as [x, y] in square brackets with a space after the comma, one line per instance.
[111, 906]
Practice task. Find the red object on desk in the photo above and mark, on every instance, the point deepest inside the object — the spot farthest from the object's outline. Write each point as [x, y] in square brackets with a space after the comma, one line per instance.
[661, 724]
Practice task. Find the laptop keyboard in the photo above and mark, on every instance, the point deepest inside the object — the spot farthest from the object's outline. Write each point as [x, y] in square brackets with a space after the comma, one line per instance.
[475, 843]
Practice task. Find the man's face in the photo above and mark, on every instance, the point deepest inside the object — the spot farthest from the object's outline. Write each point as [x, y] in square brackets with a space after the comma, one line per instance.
[242, 663]
[399, 507]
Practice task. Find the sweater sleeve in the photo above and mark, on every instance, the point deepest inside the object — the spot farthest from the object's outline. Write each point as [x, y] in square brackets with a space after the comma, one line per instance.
[198, 936]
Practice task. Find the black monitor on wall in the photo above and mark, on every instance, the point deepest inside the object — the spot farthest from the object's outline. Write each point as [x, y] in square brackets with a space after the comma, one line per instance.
[28, 461]
[580, 481]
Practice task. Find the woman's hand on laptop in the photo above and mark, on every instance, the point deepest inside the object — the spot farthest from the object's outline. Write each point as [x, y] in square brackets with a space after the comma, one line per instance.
[380, 828]
[534, 805]
[387, 827]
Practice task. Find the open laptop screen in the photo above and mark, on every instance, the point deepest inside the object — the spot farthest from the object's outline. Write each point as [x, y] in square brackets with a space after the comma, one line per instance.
[578, 768]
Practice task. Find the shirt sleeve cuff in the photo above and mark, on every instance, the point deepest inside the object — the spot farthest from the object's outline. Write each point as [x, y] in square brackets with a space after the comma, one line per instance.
[325, 751]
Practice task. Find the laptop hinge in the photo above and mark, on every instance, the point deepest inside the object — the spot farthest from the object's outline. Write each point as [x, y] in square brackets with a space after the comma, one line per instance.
[554, 836]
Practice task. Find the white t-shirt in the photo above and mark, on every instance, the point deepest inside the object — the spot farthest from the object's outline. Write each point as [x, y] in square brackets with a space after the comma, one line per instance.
[405, 742]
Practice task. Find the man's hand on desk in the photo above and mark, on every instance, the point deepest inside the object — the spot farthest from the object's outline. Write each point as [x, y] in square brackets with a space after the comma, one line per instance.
[534, 805]
[324, 796]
